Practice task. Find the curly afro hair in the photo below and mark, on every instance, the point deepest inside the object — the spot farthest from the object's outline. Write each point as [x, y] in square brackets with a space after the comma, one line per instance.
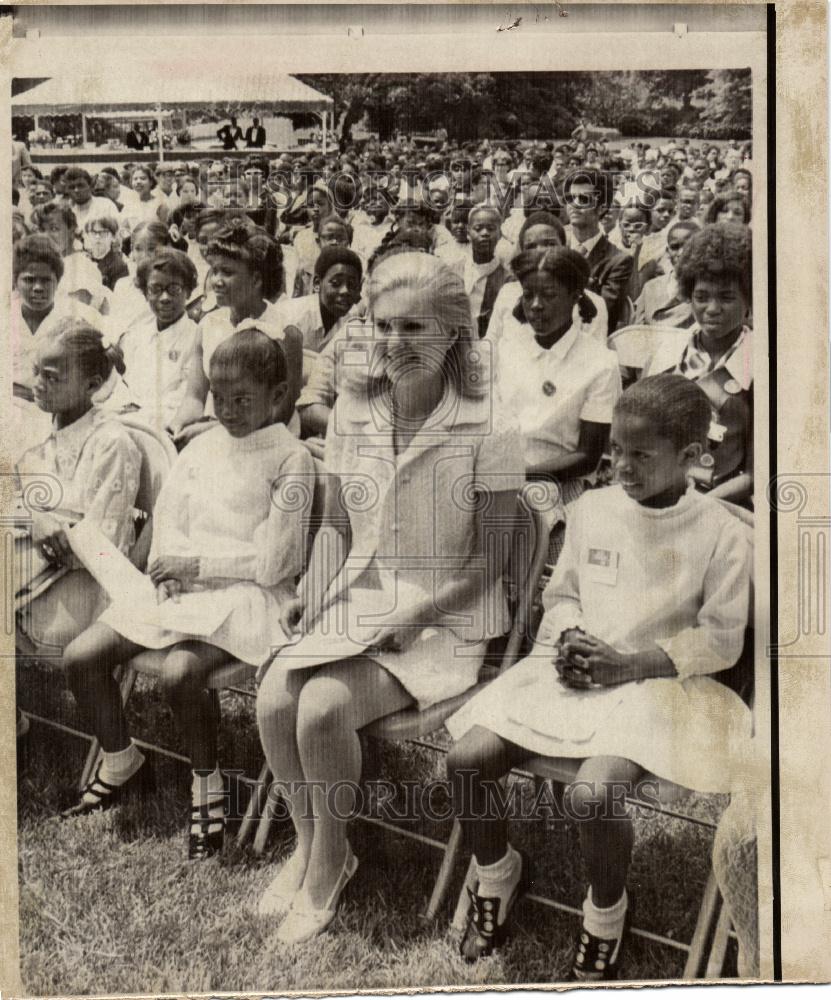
[720, 252]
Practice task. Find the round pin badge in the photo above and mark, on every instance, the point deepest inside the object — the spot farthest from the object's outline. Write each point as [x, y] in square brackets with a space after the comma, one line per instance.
[549, 388]
[732, 386]
[174, 355]
[707, 461]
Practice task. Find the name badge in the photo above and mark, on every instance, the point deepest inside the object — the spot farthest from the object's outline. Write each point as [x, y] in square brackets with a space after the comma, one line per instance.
[732, 386]
[173, 355]
[549, 388]
[602, 566]
[716, 432]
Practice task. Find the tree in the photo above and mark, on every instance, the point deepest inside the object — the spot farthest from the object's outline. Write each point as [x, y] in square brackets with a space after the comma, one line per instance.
[726, 104]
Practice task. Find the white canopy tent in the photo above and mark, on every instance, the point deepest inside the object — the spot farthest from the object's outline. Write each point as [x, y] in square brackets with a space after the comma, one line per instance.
[153, 93]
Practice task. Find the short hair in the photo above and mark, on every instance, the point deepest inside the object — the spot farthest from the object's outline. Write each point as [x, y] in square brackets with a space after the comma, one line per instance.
[193, 209]
[685, 224]
[334, 218]
[719, 252]
[255, 248]
[144, 168]
[256, 163]
[566, 266]
[173, 263]
[77, 174]
[36, 249]
[253, 353]
[106, 221]
[56, 173]
[52, 208]
[600, 181]
[84, 343]
[485, 210]
[721, 201]
[210, 217]
[677, 407]
[157, 231]
[112, 171]
[541, 218]
[330, 256]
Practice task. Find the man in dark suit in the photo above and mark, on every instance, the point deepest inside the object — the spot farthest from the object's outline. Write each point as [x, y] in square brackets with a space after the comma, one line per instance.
[588, 194]
[255, 135]
[230, 135]
[136, 139]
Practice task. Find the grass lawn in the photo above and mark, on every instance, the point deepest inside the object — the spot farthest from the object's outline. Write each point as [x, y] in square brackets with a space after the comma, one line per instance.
[108, 903]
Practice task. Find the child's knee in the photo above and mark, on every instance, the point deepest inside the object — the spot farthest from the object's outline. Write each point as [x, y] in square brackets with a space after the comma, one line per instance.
[177, 677]
[466, 755]
[592, 799]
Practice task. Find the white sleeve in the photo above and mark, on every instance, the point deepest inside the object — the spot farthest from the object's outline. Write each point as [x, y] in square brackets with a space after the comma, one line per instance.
[715, 642]
[561, 597]
[602, 394]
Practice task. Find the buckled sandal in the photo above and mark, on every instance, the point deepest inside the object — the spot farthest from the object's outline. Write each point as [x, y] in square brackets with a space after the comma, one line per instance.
[483, 934]
[207, 829]
[98, 795]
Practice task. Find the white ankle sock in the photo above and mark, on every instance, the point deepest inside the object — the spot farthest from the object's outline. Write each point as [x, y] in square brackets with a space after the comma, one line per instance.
[605, 922]
[206, 788]
[118, 767]
[500, 879]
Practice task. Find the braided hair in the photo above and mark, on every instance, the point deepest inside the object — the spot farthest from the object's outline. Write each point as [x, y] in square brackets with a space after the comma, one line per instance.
[565, 266]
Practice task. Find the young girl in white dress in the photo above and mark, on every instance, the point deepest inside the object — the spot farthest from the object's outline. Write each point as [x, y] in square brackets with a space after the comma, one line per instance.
[90, 466]
[247, 280]
[221, 538]
[648, 602]
[396, 607]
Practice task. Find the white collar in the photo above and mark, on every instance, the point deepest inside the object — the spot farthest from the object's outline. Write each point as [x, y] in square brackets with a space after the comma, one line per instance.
[588, 244]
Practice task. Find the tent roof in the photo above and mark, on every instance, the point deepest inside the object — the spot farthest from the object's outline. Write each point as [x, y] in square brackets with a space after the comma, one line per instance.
[273, 92]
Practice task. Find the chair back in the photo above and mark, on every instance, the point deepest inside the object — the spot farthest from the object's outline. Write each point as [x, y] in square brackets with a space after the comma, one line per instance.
[636, 344]
[158, 454]
[528, 557]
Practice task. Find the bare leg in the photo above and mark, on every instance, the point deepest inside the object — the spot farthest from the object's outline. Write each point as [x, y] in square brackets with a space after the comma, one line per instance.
[595, 800]
[337, 702]
[89, 661]
[186, 668]
[277, 701]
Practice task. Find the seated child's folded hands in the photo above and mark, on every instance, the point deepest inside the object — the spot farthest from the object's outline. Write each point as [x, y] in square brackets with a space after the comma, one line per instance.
[177, 568]
[49, 535]
[586, 661]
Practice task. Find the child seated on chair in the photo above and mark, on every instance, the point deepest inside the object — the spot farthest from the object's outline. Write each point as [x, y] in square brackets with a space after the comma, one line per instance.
[714, 273]
[413, 430]
[158, 351]
[648, 602]
[92, 467]
[222, 537]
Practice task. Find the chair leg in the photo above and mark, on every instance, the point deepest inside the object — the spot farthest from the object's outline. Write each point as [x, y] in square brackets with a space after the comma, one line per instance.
[704, 925]
[463, 902]
[254, 810]
[718, 950]
[126, 682]
[448, 861]
[266, 821]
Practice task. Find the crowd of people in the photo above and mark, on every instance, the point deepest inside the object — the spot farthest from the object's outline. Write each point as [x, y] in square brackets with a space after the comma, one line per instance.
[402, 321]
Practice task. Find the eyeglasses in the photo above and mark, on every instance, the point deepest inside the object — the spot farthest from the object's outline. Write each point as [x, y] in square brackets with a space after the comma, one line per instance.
[173, 289]
[637, 227]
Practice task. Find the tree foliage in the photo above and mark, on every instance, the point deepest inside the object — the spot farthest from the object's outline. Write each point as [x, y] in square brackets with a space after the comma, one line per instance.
[531, 105]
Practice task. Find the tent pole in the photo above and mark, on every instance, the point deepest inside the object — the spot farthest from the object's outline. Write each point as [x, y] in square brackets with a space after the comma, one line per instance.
[324, 118]
[83, 130]
[159, 131]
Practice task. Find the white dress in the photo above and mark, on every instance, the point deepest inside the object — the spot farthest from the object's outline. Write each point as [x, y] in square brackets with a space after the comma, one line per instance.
[91, 467]
[633, 576]
[220, 503]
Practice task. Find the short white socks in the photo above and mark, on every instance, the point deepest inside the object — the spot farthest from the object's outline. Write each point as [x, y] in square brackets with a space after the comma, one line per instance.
[605, 922]
[499, 880]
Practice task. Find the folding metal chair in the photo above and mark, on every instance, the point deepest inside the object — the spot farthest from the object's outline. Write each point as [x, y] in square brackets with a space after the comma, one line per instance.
[636, 343]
